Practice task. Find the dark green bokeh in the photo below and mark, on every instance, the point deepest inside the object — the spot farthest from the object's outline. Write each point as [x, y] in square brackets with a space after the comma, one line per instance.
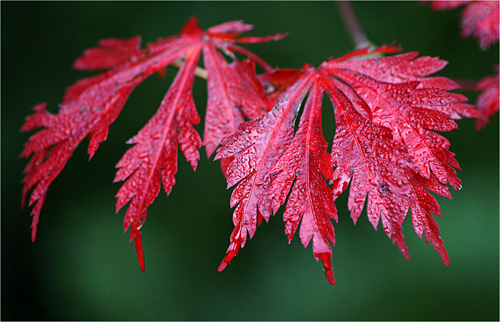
[82, 266]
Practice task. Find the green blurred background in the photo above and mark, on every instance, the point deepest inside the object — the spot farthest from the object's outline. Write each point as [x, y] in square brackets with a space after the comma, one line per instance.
[82, 266]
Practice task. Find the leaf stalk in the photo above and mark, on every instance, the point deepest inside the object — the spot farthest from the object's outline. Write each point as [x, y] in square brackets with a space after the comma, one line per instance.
[198, 72]
[353, 26]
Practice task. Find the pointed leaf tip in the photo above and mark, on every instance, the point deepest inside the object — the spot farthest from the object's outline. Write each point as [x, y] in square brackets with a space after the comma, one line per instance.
[329, 276]
[405, 252]
[255, 40]
[227, 260]
[191, 27]
[142, 264]
[325, 259]
[232, 251]
[33, 234]
[135, 234]
[446, 260]
[222, 266]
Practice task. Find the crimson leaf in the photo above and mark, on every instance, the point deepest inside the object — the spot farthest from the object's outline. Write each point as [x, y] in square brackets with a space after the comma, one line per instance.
[385, 146]
[480, 18]
[488, 100]
[92, 104]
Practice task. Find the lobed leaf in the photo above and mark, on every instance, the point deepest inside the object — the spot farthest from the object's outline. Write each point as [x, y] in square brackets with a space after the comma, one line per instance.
[303, 168]
[386, 148]
[255, 148]
[479, 18]
[367, 157]
[154, 155]
[387, 112]
[92, 104]
[409, 108]
[233, 95]
[111, 52]
[488, 100]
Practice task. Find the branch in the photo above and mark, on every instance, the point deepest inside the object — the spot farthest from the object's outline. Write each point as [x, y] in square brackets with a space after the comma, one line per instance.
[199, 72]
[352, 24]
[469, 85]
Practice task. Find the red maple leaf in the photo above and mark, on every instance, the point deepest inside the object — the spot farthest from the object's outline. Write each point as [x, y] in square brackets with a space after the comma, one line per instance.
[479, 18]
[386, 148]
[92, 104]
[447, 4]
[489, 97]
[387, 113]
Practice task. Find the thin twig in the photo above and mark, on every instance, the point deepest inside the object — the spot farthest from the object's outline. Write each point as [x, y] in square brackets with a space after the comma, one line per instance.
[199, 72]
[352, 24]
[469, 85]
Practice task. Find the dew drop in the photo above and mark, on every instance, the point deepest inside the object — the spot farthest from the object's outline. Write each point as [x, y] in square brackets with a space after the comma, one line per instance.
[269, 88]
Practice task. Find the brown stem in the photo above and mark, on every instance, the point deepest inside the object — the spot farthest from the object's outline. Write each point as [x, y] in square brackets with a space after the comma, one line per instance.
[467, 84]
[352, 24]
[199, 72]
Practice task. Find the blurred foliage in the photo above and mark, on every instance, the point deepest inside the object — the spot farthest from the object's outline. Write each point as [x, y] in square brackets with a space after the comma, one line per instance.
[82, 266]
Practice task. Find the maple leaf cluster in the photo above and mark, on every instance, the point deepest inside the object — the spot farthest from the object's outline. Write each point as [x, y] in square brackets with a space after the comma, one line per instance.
[385, 146]
[481, 20]
[388, 111]
[92, 104]
[488, 100]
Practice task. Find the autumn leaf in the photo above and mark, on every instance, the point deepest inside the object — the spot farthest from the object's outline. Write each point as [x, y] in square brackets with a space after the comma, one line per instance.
[367, 156]
[92, 104]
[255, 148]
[110, 53]
[387, 112]
[267, 132]
[154, 155]
[479, 19]
[305, 165]
[231, 97]
[413, 107]
[488, 100]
